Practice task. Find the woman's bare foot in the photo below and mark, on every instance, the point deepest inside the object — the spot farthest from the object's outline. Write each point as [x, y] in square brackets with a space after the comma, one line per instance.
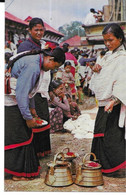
[14, 178]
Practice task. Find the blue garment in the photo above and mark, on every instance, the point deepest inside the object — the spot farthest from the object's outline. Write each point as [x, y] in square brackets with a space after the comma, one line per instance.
[29, 44]
[83, 61]
[27, 71]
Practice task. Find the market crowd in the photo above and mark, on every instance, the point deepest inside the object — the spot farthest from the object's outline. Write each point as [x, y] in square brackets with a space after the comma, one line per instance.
[46, 86]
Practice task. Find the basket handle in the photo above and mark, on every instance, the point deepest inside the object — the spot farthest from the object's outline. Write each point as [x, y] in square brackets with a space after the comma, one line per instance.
[65, 149]
[84, 159]
[55, 157]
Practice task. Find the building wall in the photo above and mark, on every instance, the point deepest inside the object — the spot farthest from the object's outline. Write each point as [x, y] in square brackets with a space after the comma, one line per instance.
[124, 10]
[117, 10]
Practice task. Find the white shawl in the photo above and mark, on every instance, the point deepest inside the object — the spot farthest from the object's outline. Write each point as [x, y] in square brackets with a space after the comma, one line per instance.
[112, 80]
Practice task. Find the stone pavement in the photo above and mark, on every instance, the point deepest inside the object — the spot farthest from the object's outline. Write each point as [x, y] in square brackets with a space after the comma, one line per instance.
[58, 142]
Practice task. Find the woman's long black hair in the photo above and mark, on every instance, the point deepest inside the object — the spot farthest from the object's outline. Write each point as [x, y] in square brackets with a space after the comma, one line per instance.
[116, 30]
[57, 53]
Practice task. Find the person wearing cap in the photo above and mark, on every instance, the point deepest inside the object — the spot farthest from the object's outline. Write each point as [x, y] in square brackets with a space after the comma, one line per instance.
[81, 60]
[20, 112]
[90, 18]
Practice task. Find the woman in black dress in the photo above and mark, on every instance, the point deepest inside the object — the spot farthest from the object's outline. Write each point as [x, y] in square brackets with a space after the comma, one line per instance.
[108, 84]
[41, 135]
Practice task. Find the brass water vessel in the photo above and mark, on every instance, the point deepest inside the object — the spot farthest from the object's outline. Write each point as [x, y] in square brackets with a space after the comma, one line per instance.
[89, 173]
[59, 172]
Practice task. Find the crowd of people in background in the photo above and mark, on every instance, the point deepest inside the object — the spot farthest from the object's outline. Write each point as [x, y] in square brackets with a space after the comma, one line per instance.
[75, 73]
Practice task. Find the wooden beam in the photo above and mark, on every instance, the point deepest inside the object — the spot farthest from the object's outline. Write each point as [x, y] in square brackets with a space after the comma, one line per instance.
[117, 10]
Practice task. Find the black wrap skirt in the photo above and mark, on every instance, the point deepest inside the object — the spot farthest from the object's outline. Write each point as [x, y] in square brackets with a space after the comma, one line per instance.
[108, 143]
[20, 157]
[42, 134]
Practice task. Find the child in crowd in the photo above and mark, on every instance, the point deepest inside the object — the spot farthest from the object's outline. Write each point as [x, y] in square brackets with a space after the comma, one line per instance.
[68, 78]
[58, 105]
[61, 106]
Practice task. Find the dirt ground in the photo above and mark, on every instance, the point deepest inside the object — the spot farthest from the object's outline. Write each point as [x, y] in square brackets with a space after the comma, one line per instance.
[81, 146]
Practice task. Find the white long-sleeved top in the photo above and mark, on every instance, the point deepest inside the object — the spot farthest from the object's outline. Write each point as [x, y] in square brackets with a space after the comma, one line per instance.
[112, 78]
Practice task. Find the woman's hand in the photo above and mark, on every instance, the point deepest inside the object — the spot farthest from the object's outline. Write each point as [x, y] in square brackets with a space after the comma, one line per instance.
[88, 78]
[62, 95]
[96, 68]
[33, 112]
[31, 123]
[109, 107]
[74, 117]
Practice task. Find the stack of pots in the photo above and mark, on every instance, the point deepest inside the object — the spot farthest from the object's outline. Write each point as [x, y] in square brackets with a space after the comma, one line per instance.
[59, 172]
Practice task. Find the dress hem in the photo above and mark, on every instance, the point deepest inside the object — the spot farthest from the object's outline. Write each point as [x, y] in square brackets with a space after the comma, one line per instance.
[99, 135]
[121, 166]
[23, 174]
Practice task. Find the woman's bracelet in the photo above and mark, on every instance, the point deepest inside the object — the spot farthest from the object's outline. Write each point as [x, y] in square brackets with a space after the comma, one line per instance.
[116, 100]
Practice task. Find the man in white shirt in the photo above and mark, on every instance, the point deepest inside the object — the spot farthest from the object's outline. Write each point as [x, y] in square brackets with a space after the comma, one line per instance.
[90, 18]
